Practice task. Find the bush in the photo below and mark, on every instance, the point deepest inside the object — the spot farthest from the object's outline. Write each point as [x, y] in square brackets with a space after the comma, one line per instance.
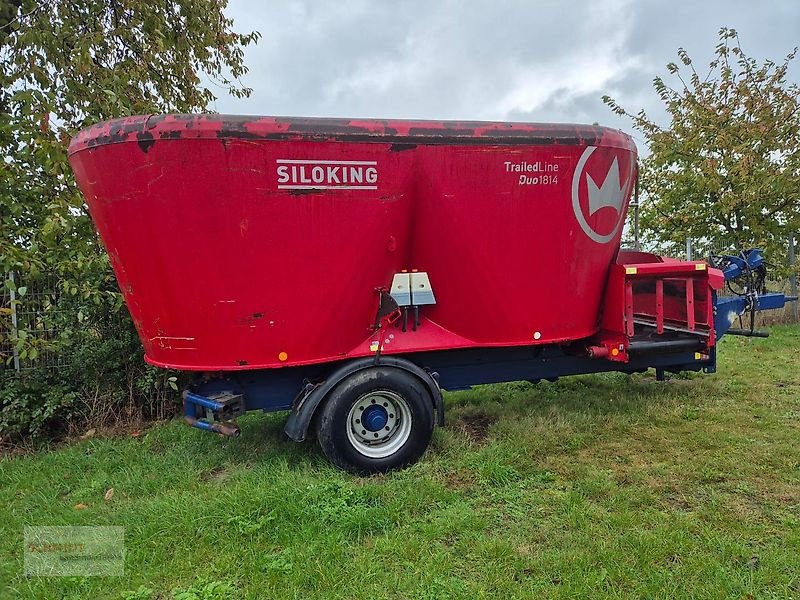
[106, 382]
[34, 406]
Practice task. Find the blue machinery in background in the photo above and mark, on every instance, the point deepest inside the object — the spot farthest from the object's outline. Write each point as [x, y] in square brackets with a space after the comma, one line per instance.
[215, 402]
[745, 277]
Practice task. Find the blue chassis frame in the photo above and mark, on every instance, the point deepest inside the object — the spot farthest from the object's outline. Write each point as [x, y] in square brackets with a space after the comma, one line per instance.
[273, 390]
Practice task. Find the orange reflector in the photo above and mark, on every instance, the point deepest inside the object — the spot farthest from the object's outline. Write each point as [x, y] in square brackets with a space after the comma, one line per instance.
[282, 356]
[614, 352]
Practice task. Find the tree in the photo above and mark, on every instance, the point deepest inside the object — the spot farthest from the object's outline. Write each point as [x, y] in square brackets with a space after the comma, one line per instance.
[65, 65]
[726, 171]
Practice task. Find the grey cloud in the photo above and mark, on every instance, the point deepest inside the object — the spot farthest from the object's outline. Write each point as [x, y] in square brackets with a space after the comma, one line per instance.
[520, 60]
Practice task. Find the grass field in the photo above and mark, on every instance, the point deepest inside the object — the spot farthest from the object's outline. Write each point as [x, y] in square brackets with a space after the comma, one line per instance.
[595, 486]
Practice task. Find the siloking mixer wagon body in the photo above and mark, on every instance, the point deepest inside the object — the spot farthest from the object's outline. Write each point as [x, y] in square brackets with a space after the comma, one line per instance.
[349, 270]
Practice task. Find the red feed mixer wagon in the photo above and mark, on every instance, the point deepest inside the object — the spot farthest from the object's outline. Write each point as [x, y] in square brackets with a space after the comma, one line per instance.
[349, 270]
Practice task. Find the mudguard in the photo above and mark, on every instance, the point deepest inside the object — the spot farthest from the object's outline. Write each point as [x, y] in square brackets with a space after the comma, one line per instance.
[307, 402]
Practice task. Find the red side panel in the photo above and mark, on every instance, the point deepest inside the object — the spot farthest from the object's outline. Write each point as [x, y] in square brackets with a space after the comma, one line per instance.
[656, 295]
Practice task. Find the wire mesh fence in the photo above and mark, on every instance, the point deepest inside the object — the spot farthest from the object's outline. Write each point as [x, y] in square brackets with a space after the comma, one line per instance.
[33, 313]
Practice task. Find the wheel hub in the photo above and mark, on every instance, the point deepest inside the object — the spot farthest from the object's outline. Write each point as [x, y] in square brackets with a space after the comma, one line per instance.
[374, 417]
[379, 423]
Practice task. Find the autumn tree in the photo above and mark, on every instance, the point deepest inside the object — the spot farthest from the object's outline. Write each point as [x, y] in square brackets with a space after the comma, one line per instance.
[725, 169]
[65, 65]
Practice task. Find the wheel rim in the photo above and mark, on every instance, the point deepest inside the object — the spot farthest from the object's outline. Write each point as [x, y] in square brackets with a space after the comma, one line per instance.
[379, 423]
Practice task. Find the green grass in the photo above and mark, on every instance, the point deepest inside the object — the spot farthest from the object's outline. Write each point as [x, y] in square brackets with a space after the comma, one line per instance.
[595, 486]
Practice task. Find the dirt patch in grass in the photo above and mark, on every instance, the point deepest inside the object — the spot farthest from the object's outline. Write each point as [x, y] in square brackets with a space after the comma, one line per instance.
[475, 426]
[780, 493]
[218, 474]
[459, 480]
[677, 502]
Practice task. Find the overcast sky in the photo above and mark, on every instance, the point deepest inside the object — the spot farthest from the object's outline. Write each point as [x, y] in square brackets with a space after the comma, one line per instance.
[486, 59]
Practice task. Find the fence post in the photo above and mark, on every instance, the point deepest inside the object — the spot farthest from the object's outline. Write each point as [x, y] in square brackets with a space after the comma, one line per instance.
[14, 326]
[688, 248]
[792, 276]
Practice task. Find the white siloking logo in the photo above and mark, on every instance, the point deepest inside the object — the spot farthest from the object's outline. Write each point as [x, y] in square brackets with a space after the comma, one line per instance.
[610, 193]
[319, 174]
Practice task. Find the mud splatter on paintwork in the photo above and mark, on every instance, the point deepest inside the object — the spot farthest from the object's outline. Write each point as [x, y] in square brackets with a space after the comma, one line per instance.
[145, 141]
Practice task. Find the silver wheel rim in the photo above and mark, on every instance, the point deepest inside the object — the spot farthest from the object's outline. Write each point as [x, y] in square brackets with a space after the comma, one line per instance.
[379, 423]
